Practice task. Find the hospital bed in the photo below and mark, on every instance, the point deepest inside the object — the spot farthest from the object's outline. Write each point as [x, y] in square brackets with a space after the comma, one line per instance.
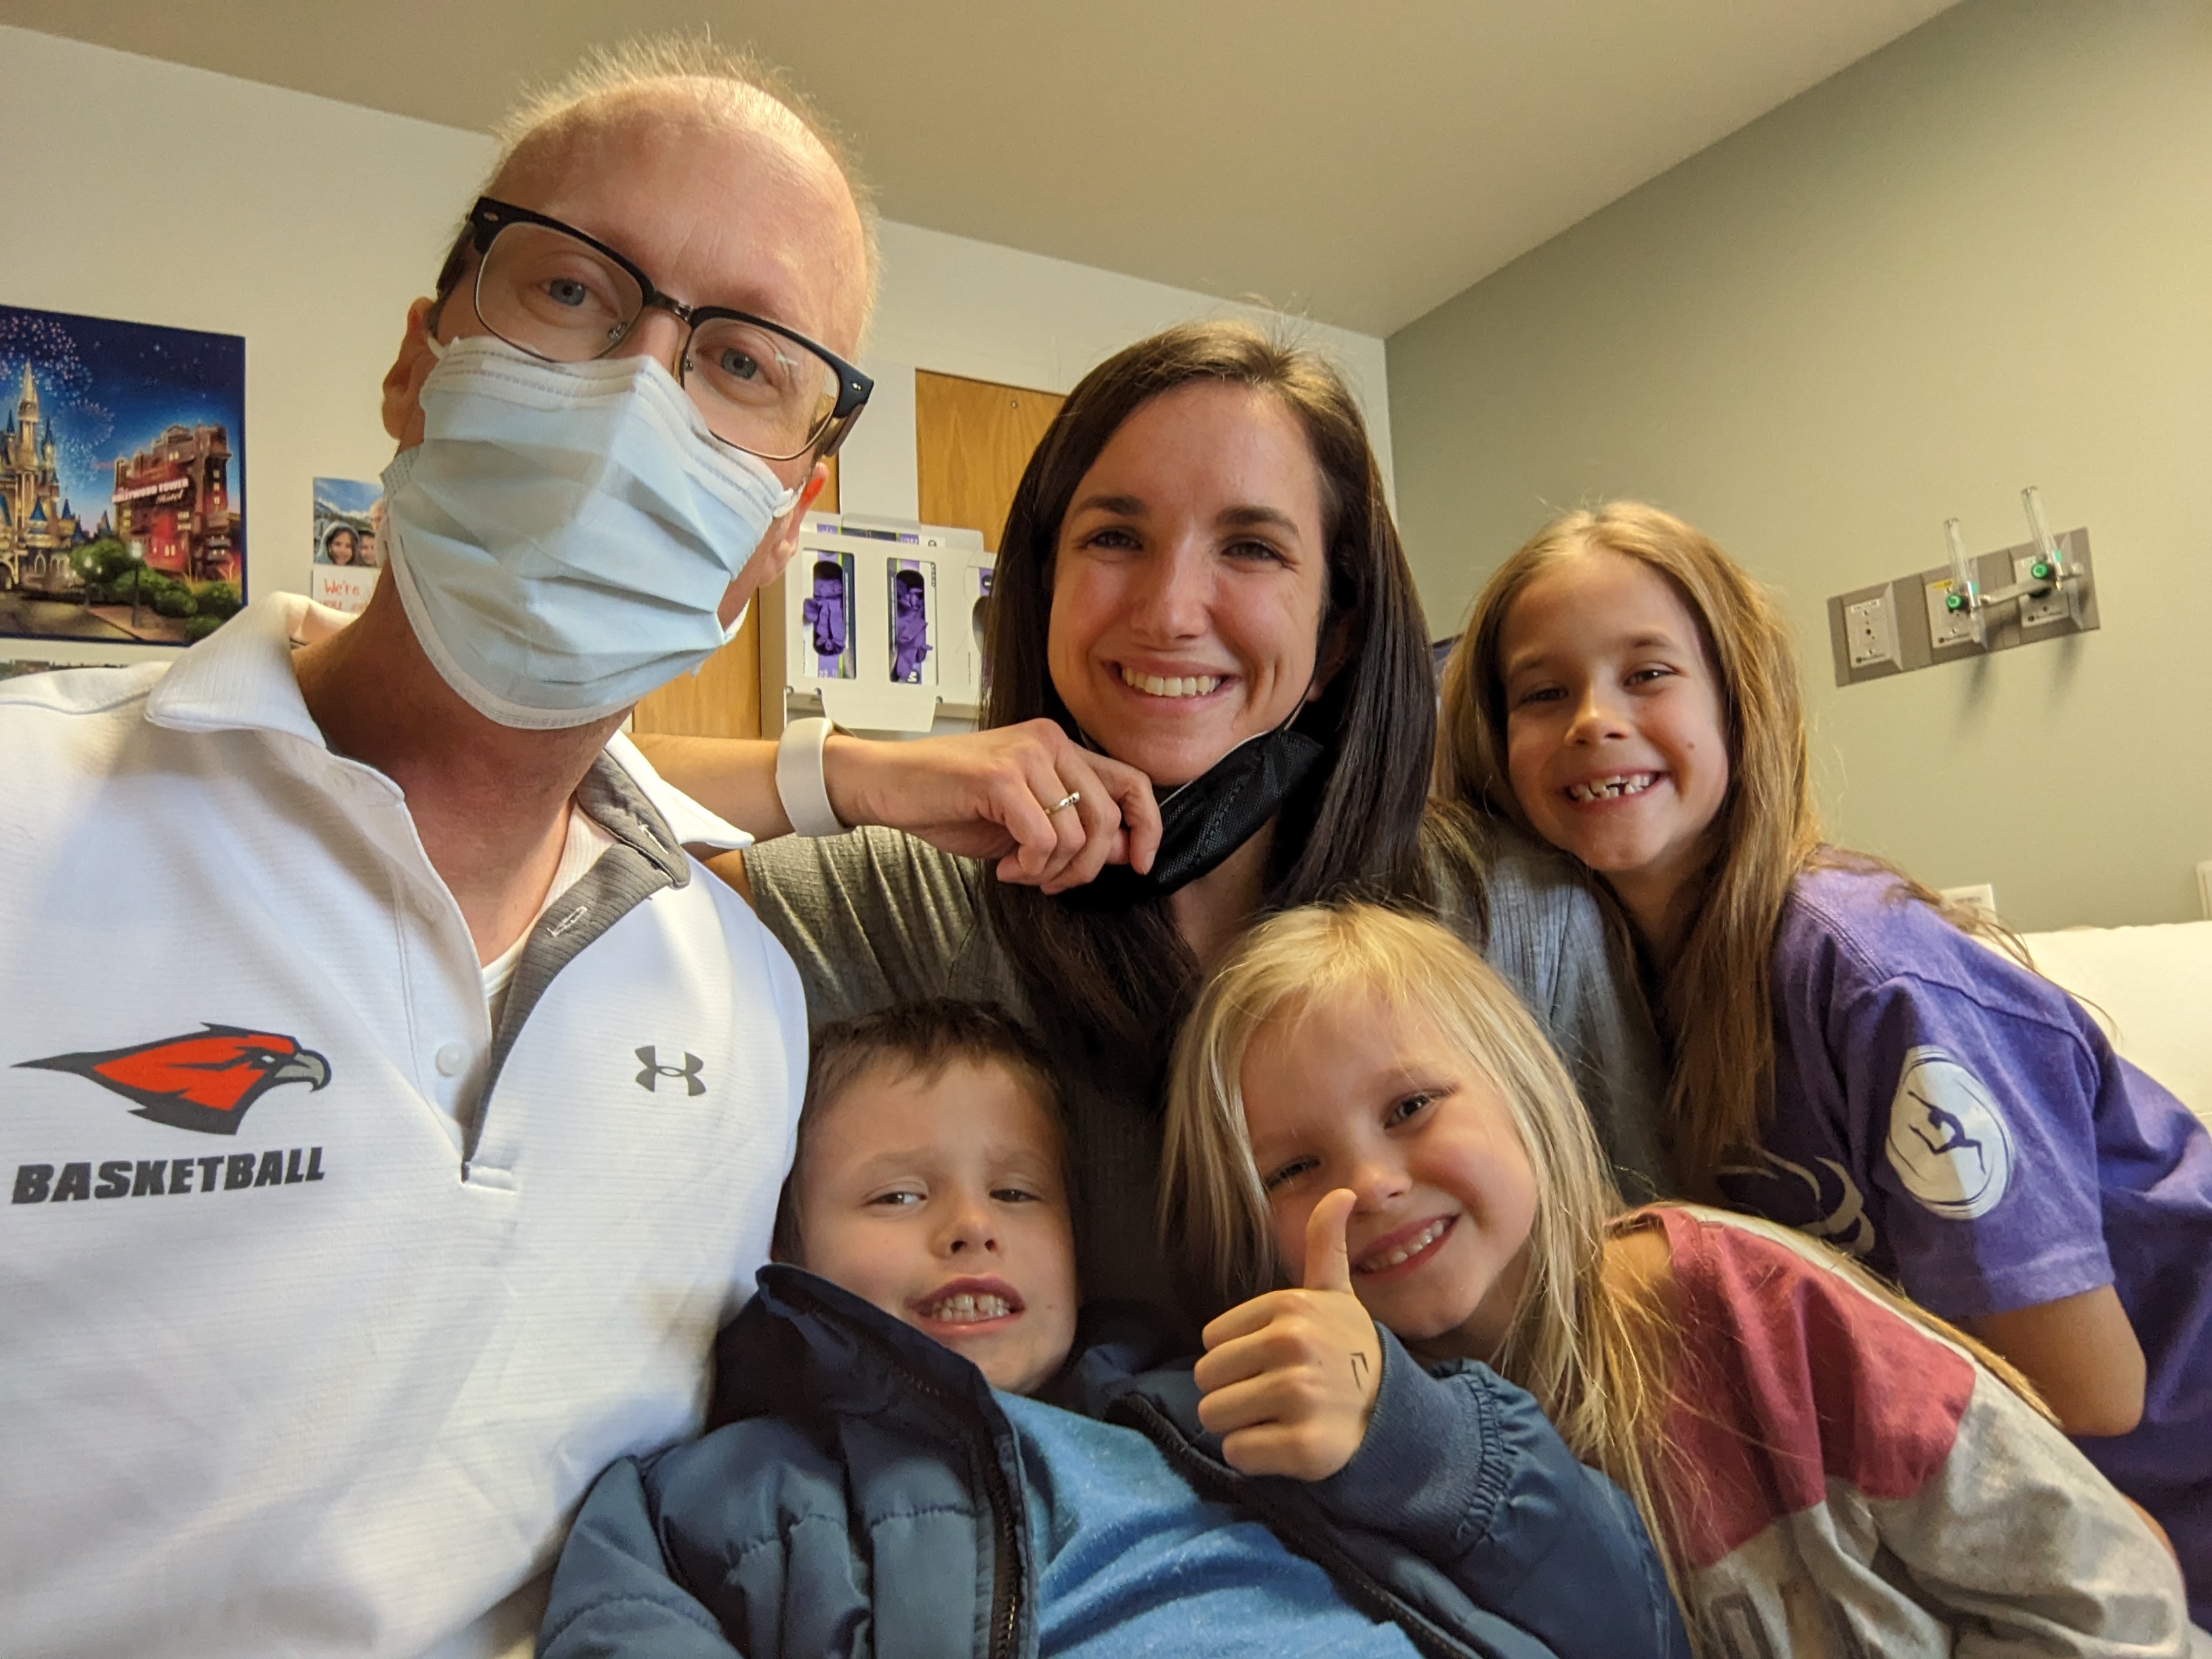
[2151, 990]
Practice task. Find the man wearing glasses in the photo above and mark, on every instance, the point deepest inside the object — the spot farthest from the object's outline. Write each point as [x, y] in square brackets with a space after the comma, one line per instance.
[387, 1147]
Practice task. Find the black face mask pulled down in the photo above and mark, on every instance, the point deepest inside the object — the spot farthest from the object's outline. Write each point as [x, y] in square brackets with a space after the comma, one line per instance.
[1204, 821]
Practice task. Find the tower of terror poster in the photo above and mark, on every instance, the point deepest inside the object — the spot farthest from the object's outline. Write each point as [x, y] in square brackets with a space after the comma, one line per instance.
[122, 479]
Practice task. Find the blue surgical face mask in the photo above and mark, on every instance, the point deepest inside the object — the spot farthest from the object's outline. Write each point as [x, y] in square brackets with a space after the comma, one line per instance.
[562, 538]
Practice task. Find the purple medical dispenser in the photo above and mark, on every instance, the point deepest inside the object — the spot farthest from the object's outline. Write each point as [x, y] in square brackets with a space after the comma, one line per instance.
[827, 613]
[909, 622]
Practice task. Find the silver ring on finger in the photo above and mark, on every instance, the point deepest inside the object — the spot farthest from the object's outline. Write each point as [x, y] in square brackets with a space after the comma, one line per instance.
[1064, 802]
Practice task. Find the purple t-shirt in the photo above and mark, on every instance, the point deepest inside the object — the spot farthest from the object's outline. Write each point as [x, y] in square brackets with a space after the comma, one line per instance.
[1962, 1126]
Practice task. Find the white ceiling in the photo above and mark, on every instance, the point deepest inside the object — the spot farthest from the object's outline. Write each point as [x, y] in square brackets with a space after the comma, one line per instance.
[1360, 163]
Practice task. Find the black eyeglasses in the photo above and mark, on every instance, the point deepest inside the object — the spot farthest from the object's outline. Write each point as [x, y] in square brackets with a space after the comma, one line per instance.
[549, 290]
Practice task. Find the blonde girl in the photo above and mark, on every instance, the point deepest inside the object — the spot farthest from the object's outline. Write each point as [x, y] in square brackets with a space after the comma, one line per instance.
[1846, 1059]
[1828, 1469]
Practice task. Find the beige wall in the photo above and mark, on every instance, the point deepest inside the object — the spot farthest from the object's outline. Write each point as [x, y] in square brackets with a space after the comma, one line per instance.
[156, 193]
[1980, 258]
[959, 307]
[142, 190]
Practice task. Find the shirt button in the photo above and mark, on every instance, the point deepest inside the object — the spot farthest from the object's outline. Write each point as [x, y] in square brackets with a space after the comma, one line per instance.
[450, 1059]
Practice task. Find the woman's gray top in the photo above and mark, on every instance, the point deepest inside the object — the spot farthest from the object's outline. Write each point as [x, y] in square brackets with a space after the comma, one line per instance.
[877, 917]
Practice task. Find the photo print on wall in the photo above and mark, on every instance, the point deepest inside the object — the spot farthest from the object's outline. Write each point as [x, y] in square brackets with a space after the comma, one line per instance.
[914, 609]
[347, 557]
[828, 613]
[122, 479]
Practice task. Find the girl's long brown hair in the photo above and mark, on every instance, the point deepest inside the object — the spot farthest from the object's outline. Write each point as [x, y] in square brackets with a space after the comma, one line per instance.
[1125, 976]
[1716, 996]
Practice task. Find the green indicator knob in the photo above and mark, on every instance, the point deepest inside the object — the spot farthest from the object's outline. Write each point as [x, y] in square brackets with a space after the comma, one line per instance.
[2040, 570]
[1955, 601]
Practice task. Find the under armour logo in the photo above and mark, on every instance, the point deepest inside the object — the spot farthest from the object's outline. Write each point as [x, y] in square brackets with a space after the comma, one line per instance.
[649, 1079]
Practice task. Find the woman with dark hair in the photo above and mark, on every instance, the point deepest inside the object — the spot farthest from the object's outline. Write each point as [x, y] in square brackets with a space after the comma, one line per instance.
[1199, 593]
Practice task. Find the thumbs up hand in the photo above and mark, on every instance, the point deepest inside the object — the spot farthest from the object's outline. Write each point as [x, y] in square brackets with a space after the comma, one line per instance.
[1289, 1379]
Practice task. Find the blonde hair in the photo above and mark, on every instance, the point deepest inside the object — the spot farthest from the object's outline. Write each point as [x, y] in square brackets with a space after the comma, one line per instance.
[1597, 1349]
[1594, 1357]
[682, 68]
[1717, 994]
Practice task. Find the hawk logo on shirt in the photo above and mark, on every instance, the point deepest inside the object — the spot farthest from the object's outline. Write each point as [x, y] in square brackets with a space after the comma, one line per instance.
[1948, 1140]
[206, 1080]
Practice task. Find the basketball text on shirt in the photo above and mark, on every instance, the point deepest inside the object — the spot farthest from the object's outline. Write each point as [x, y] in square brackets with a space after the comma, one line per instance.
[125, 1177]
[203, 1081]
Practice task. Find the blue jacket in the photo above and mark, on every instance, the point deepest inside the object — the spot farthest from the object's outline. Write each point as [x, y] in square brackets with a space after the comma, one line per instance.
[864, 1497]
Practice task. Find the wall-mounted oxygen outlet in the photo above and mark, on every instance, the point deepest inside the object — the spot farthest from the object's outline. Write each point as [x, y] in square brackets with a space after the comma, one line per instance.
[2036, 612]
[1947, 626]
[1919, 621]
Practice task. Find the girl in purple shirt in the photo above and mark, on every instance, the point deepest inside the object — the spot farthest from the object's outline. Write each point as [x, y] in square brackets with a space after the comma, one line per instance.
[1846, 1059]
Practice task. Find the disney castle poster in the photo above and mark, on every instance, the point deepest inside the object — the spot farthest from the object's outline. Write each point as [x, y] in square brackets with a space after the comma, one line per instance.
[122, 479]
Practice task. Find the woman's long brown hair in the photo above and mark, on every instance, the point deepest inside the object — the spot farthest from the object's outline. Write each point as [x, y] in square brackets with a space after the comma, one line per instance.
[1125, 976]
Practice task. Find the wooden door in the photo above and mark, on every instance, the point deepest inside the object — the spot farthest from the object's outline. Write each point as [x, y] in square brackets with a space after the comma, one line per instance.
[723, 699]
[972, 439]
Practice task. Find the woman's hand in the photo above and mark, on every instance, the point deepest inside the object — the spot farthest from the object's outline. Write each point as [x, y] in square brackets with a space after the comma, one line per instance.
[1290, 1378]
[989, 794]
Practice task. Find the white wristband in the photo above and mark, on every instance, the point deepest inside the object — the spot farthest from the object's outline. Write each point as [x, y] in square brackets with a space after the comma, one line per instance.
[799, 782]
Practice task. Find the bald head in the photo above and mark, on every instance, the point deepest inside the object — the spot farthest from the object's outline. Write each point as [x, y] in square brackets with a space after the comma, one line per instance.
[713, 134]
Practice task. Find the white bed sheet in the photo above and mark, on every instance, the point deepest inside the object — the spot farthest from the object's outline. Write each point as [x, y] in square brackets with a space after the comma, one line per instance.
[2151, 989]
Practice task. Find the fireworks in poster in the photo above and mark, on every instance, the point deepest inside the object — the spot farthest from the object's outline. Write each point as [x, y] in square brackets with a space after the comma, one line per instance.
[122, 479]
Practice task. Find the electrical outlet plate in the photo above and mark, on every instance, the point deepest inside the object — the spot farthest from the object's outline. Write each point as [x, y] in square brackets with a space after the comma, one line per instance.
[1870, 630]
[1980, 896]
[1865, 636]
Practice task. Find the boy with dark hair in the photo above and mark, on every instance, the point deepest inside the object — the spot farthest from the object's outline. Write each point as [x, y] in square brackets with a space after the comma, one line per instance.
[910, 1461]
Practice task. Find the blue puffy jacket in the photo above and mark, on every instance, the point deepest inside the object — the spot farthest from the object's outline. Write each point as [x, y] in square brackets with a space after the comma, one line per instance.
[864, 1497]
